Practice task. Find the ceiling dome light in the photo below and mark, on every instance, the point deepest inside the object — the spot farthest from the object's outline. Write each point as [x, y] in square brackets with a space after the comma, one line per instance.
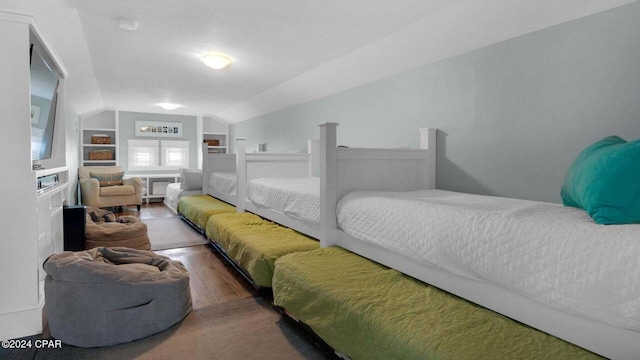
[128, 25]
[216, 60]
[169, 106]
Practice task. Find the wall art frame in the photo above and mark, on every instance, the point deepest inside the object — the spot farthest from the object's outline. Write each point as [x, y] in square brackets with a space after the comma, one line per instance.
[158, 129]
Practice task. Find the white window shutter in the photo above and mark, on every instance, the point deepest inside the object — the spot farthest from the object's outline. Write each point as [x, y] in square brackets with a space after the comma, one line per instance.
[175, 153]
[143, 153]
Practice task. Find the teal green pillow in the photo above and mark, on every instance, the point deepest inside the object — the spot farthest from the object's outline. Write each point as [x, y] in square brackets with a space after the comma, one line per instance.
[604, 180]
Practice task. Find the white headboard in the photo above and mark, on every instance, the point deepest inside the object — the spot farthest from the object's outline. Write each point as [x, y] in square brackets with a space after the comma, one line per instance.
[343, 170]
[260, 165]
[215, 163]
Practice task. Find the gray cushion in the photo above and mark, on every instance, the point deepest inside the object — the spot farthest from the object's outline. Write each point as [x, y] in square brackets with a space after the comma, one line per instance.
[191, 179]
[92, 300]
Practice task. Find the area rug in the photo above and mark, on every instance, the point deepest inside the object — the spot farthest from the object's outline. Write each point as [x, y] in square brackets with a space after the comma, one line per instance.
[244, 329]
[172, 232]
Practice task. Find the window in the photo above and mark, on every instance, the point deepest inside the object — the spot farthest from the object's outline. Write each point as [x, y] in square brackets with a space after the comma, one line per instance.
[175, 153]
[158, 154]
[143, 153]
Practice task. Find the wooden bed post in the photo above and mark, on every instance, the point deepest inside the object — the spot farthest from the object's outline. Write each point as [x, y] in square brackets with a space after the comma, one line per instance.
[313, 150]
[328, 185]
[241, 173]
[428, 142]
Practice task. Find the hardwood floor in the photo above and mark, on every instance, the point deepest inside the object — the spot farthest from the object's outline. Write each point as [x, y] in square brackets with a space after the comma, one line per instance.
[152, 210]
[216, 289]
[212, 281]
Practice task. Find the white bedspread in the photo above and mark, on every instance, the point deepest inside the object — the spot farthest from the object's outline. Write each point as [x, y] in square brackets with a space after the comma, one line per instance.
[174, 193]
[553, 254]
[224, 182]
[296, 197]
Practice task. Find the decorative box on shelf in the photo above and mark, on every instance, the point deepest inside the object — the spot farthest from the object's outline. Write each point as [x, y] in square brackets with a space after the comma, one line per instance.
[212, 142]
[100, 139]
[100, 155]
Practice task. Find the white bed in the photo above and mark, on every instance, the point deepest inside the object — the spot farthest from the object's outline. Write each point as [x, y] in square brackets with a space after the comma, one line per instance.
[219, 176]
[280, 186]
[223, 186]
[298, 197]
[285, 188]
[174, 193]
[221, 180]
[569, 286]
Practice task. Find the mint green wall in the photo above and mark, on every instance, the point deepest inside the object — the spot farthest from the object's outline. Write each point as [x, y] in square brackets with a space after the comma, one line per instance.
[126, 130]
[511, 117]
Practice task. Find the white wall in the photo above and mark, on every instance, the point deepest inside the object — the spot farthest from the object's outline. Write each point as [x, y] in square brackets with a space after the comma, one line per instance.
[512, 116]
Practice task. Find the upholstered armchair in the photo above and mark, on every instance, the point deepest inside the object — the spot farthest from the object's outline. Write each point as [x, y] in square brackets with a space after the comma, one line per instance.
[104, 186]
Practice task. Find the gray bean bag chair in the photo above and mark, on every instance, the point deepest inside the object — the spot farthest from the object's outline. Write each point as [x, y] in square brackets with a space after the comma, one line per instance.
[106, 296]
[103, 229]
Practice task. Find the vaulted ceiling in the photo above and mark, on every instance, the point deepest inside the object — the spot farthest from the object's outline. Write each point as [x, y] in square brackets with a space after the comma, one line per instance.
[285, 52]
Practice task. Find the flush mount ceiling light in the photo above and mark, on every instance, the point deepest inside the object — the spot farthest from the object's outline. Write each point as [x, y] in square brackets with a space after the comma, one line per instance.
[126, 24]
[216, 60]
[169, 106]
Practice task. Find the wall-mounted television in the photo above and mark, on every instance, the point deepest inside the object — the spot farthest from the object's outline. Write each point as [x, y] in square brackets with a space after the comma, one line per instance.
[44, 98]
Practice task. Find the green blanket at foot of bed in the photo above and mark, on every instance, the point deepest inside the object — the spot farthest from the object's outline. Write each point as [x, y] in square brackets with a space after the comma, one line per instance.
[199, 208]
[367, 311]
[254, 243]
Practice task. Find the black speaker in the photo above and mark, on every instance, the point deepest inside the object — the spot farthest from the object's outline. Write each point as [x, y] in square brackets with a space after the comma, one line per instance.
[75, 227]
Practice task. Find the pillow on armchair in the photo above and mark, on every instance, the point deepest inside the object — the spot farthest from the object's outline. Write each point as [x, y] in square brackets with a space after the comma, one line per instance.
[112, 179]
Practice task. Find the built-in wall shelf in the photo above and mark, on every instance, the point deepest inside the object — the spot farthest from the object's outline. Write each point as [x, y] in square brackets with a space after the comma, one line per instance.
[32, 228]
[50, 202]
[99, 145]
[62, 174]
[215, 131]
[220, 139]
[104, 122]
[98, 129]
